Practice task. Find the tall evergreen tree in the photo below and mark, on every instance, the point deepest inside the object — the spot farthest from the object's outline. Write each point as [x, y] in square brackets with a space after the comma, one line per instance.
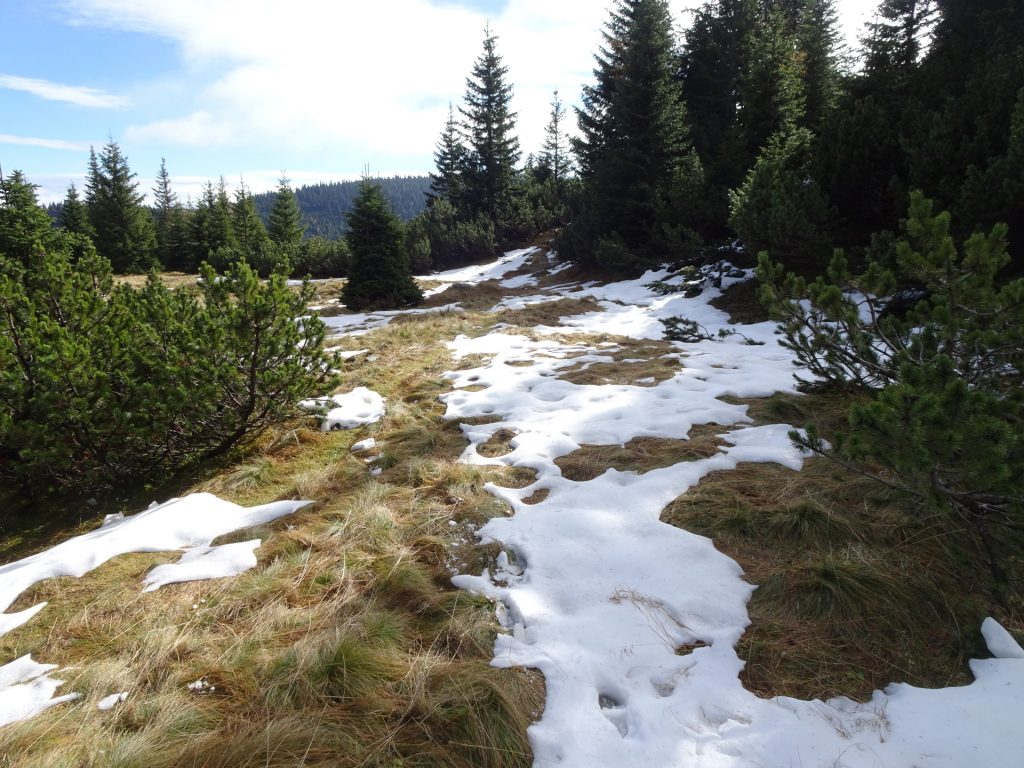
[634, 151]
[285, 226]
[168, 218]
[894, 41]
[210, 224]
[713, 62]
[451, 159]
[378, 273]
[555, 162]
[490, 131]
[818, 38]
[250, 234]
[771, 90]
[221, 222]
[123, 225]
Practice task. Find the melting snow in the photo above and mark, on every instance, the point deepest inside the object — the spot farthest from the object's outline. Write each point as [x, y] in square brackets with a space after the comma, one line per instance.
[353, 409]
[190, 522]
[201, 563]
[112, 701]
[598, 594]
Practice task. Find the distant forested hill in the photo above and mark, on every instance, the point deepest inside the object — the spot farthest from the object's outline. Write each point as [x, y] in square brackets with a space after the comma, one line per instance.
[324, 206]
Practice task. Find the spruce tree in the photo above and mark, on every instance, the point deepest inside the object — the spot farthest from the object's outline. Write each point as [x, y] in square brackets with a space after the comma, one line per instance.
[379, 275]
[210, 224]
[168, 216]
[221, 222]
[285, 227]
[818, 37]
[713, 61]
[74, 216]
[555, 162]
[250, 234]
[490, 131]
[779, 207]
[123, 226]
[451, 159]
[634, 152]
[25, 227]
[894, 40]
[772, 87]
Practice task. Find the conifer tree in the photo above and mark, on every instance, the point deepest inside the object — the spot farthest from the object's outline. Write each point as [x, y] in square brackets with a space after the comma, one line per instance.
[74, 216]
[210, 224]
[285, 227]
[24, 226]
[221, 221]
[779, 207]
[451, 159]
[818, 37]
[490, 131]
[771, 89]
[634, 152]
[123, 226]
[164, 198]
[169, 219]
[894, 41]
[555, 162]
[713, 60]
[379, 274]
[250, 234]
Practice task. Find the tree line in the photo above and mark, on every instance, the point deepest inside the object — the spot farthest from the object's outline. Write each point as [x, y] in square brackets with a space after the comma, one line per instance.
[325, 206]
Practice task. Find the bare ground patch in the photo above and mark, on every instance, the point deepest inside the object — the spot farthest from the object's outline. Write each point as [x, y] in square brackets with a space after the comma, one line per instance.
[547, 313]
[641, 454]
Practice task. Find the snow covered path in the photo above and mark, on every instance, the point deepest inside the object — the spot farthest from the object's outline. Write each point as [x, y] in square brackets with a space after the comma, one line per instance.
[600, 595]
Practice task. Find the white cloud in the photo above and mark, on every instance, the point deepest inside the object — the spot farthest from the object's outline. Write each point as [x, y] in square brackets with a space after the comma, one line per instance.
[355, 81]
[71, 94]
[32, 141]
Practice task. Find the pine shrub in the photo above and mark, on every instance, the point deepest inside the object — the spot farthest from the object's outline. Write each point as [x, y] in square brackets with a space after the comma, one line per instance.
[938, 341]
[105, 387]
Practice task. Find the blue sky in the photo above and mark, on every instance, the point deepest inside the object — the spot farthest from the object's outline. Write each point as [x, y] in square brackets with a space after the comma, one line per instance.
[250, 88]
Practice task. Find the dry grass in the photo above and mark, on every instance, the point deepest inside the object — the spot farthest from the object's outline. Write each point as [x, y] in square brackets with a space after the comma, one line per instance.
[477, 297]
[346, 646]
[548, 312]
[641, 454]
[651, 362]
[170, 279]
[856, 588]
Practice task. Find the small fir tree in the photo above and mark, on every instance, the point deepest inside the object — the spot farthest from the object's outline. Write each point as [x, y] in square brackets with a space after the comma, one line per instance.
[74, 216]
[379, 274]
[780, 208]
[285, 227]
[555, 162]
[25, 227]
[250, 234]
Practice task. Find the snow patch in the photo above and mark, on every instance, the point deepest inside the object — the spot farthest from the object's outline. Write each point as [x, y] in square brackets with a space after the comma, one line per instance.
[202, 563]
[353, 409]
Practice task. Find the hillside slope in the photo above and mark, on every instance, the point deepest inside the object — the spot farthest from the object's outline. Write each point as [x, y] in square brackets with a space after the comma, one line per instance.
[545, 452]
